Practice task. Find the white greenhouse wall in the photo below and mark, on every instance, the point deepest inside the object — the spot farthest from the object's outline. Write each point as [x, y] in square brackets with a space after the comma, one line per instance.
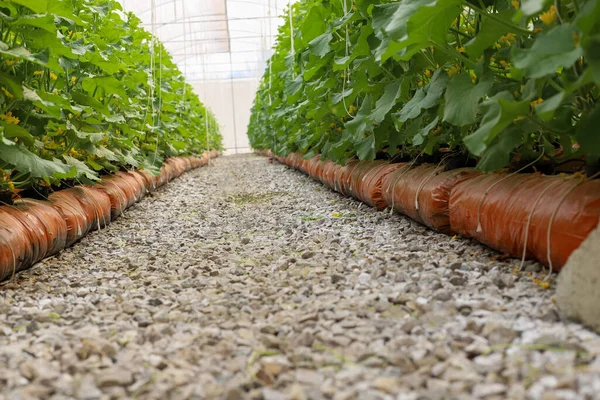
[232, 109]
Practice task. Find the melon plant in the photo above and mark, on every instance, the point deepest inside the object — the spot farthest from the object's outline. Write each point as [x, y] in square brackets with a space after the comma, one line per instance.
[84, 91]
[497, 82]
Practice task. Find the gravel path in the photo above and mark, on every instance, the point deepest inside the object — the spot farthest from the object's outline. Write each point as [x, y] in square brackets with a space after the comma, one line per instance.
[249, 280]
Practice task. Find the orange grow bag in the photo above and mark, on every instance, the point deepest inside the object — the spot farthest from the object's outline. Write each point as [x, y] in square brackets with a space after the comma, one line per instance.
[78, 223]
[46, 228]
[423, 193]
[530, 209]
[96, 205]
[15, 245]
[366, 183]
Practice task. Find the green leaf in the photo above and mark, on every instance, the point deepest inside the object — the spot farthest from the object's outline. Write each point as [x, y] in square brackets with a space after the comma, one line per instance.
[533, 7]
[108, 84]
[497, 155]
[81, 168]
[386, 102]
[13, 86]
[462, 99]
[587, 132]
[365, 149]
[38, 6]
[419, 138]
[545, 111]
[25, 161]
[45, 22]
[491, 31]
[499, 113]
[340, 96]
[359, 124]
[551, 50]
[320, 45]
[12, 131]
[315, 24]
[412, 25]
[426, 97]
[40, 58]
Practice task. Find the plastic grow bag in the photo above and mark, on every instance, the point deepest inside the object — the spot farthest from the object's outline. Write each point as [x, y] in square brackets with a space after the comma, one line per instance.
[546, 216]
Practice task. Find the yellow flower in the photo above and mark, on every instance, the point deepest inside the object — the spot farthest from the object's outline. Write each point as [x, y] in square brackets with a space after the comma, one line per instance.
[498, 46]
[536, 102]
[492, 59]
[515, 3]
[339, 129]
[38, 73]
[7, 93]
[455, 69]
[53, 76]
[549, 16]
[70, 33]
[70, 115]
[10, 62]
[460, 49]
[420, 83]
[8, 118]
[55, 91]
[428, 73]
[504, 63]
[326, 133]
[332, 125]
[336, 214]
[73, 79]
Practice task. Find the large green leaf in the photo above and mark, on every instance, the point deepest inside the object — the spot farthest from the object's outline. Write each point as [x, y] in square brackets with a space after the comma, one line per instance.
[38, 6]
[462, 98]
[497, 155]
[320, 45]
[386, 102]
[587, 132]
[551, 50]
[499, 112]
[360, 123]
[491, 31]
[425, 97]
[25, 161]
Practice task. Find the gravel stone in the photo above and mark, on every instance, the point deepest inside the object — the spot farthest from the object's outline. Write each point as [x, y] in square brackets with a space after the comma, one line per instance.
[235, 281]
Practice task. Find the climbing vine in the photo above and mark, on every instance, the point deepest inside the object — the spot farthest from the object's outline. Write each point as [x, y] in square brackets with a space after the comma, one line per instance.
[499, 81]
[85, 90]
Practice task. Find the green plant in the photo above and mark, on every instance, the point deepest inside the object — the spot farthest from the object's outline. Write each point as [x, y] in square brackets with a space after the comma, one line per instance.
[497, 80]
[85, 90]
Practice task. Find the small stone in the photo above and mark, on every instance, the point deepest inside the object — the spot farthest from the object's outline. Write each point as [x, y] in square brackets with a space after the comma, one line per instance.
[309, 377]
[488, 389]
[364, 278]
[308, 254]
[32, 327]
[387, 384]
[443, 295]
[336, 278]
[87, 389]
[457, 280]
[245, 240]
[114, 376]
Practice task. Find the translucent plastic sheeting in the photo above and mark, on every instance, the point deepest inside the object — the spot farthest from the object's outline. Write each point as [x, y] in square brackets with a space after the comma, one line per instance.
[222, 47]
